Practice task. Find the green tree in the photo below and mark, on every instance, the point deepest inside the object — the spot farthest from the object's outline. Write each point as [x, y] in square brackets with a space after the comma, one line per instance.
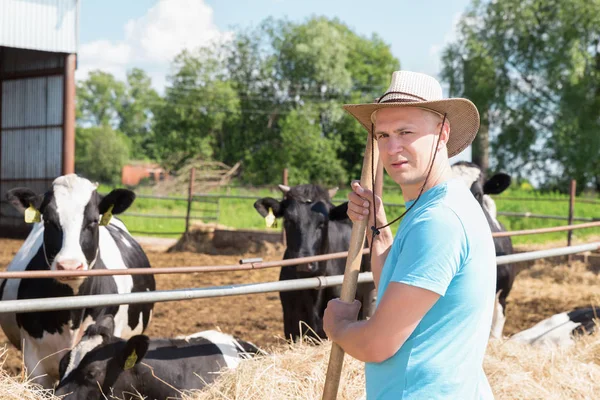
[99, 100]
[543, 59]
[100, 153]
[136, 113]
[200, 108]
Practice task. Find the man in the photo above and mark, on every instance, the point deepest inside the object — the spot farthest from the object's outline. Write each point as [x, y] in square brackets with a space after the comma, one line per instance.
[436, 279]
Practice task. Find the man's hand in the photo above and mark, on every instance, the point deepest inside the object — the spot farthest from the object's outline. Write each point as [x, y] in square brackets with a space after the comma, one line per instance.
[359, 204]
[338, 315]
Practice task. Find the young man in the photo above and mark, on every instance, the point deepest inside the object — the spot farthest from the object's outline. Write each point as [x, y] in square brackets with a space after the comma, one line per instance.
[436, 279]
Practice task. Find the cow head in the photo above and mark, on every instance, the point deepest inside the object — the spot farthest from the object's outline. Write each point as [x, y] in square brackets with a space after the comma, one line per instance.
[305, 212]
[100, 363]
[475, 180]
[71, 213]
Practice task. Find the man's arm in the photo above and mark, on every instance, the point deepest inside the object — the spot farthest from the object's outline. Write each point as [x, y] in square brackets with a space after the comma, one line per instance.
[379, 338]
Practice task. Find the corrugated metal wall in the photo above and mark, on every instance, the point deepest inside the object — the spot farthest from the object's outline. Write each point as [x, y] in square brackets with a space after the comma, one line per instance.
[48, 25]
[31, 124]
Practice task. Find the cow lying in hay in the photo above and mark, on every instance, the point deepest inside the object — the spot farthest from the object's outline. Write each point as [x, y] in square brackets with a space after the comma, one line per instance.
[70, 235]
[102, 364]
[561, 329]
[313, 226]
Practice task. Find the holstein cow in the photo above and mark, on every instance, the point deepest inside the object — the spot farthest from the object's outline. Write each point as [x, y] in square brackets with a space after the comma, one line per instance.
[102, 364]
[561, 329]
[69, 238]
[481, 188]
[313, 226]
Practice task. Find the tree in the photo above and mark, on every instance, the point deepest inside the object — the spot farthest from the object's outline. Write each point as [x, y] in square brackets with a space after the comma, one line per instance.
[199, 109]
[103, 100]
[136, 113]
[260, 97]
[99, 100]
[544, 61]
[100, 153]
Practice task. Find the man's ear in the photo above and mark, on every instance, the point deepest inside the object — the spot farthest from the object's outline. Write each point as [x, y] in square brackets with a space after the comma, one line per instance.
[445, 136]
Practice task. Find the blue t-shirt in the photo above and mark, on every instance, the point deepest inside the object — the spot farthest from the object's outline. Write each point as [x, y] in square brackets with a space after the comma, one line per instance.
[444, 244]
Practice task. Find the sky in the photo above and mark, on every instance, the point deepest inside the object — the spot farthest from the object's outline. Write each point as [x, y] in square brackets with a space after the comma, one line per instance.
[116, 35]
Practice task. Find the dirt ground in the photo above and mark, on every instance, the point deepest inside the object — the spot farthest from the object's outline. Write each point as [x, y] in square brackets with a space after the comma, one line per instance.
[538, 292]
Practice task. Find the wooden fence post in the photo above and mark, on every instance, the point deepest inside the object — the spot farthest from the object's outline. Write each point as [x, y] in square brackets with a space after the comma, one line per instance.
[572, 192]
[190, 197]
[285, 182]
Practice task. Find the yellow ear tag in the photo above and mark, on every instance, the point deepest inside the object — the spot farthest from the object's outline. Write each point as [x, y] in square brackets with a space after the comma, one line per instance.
[106, 216]
[32, 215]
[130, 362]
[270, 219]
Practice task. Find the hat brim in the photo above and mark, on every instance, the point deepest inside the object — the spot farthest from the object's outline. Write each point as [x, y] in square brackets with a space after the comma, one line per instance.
[461, 113]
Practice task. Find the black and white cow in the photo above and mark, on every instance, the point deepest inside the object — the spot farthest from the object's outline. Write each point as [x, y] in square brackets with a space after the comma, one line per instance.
[561, 329]
[69, 238]
[313, 226]
[151, 368]
[481, 188]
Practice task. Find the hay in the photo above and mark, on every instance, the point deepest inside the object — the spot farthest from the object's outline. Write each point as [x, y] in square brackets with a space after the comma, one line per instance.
[296, 372]
[17, 388]
[217, 239]
[515, 371]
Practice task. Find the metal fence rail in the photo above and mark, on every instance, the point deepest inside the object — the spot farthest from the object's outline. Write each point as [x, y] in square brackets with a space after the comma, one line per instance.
[74, 302]
[541, 216]
[247, 265]
[172, 270]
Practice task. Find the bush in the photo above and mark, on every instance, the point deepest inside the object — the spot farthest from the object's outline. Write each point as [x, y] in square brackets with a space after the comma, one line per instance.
[100, 153]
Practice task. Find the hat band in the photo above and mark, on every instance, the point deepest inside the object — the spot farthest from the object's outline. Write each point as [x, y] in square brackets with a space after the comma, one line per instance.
[412, 97]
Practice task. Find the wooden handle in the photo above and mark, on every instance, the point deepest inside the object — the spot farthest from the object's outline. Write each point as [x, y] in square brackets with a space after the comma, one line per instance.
[357, 240]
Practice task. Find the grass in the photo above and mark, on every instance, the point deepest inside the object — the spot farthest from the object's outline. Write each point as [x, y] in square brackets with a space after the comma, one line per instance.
[240, 213]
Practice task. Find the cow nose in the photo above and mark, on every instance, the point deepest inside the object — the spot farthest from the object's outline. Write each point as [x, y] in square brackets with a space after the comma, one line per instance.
[69, 265]
[310, 267]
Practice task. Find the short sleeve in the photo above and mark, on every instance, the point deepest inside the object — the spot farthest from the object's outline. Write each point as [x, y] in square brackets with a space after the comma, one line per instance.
[433, 250]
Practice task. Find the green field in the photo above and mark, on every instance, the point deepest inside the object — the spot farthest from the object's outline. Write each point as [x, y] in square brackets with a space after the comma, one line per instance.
[240, 213]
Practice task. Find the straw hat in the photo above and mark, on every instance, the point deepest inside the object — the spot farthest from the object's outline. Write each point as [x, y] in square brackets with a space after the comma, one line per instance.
[413, 89]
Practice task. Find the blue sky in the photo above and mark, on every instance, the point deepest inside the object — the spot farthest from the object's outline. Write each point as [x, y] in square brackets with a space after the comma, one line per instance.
[112, 32]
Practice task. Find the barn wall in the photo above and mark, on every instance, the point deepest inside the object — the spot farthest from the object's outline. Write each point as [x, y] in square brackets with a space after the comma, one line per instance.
[32, 88]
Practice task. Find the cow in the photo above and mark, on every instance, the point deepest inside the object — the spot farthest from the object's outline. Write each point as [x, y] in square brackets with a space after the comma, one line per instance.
[313, 226]
[141, 367]
[71, 236]
[560, 329]
[474, 178]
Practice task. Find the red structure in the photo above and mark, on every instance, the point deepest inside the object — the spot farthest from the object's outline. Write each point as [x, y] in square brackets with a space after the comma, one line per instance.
[132, 174]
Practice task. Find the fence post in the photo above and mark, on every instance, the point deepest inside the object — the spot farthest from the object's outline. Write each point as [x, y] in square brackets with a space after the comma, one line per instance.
[285, 182]
[571, 212]
[190, 196]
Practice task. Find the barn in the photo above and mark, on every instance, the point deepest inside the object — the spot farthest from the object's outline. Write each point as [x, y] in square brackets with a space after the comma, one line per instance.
[38, 47]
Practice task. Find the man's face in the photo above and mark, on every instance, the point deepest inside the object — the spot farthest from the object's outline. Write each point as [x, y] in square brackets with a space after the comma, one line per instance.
[406, 138]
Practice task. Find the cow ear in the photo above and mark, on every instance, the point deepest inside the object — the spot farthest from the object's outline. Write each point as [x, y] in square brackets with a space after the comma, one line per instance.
[135, 350]
[119, 199]
[339, 213]
[332, 192]
[263, 205]
[23, 198]
[497, 184]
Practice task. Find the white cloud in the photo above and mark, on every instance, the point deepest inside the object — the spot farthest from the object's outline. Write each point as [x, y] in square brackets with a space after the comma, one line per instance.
[151, 41]
[435, 51]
